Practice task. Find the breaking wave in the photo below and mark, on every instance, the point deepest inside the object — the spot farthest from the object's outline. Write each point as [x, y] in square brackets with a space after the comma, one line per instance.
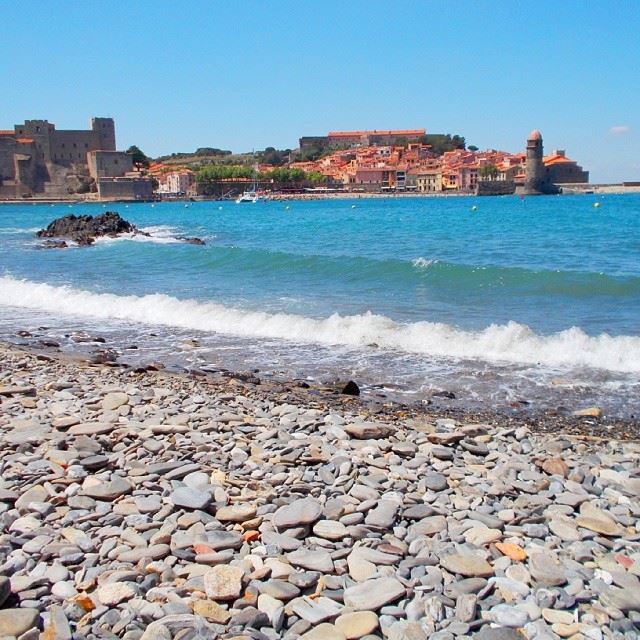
[512, 342]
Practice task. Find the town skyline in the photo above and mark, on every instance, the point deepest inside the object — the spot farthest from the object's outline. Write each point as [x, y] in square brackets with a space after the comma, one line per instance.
[252, 76]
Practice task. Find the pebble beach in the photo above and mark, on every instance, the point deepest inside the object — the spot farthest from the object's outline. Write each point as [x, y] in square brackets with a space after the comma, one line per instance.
[144, 505]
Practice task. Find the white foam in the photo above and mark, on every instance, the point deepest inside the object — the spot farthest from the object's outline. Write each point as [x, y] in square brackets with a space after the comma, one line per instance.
[159, 234]
[512, 342]
[423, 263]
[16, 230]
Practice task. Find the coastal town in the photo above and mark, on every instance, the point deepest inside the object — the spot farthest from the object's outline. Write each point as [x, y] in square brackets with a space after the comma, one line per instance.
[38, 161]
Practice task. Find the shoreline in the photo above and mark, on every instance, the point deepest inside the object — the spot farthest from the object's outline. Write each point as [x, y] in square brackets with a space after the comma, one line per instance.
[155, 506]
[592, 190]
[539, 421]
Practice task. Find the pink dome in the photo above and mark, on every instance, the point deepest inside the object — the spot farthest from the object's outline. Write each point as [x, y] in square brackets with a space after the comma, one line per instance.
[535, 135]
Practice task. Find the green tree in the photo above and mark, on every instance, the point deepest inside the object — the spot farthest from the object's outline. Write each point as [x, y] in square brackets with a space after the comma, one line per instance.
[472, 147]
[441, 142]
[138, 156]
[489, 172]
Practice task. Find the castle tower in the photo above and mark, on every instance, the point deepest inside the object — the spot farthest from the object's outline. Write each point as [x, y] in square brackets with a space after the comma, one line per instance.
[534, 183]
[106, 130]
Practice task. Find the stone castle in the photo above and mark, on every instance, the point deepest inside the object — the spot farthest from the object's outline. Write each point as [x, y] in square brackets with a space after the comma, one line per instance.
[39, 161]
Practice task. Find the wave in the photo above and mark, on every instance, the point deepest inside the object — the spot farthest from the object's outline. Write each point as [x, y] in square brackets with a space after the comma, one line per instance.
[434, 272]
[18, 230]
[512, 342]
[158, 234]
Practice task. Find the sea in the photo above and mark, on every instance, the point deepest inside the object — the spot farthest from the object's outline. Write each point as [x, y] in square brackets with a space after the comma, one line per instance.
[497, 303]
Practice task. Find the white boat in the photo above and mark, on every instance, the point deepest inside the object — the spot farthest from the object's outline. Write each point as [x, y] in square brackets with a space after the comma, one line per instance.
[252, 196]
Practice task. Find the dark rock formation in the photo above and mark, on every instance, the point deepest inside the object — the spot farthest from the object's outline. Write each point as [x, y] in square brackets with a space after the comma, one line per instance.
[85, 229]
[192, 240]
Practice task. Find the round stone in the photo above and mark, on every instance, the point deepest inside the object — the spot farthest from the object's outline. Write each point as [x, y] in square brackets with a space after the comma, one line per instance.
[330, 529]
[357, 624]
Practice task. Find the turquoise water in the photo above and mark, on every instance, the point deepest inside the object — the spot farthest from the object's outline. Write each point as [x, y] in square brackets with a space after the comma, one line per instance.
[406, 287]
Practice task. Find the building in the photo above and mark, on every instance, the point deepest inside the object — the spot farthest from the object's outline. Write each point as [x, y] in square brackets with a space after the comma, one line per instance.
[544, 174]
[38, 160]
[177, 183]
[349, 139]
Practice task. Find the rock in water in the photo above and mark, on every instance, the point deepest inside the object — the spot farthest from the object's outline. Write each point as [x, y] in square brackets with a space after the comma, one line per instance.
[85, 229]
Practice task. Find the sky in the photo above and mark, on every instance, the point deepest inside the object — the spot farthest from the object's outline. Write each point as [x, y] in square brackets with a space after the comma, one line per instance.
[176, 76]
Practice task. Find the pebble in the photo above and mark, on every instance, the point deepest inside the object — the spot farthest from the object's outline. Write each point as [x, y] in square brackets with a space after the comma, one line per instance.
[152, 506]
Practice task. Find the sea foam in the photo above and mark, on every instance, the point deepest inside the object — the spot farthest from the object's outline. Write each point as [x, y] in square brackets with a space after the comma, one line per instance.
[512, 342]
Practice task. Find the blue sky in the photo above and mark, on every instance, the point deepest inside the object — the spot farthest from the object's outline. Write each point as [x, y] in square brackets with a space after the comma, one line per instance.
[243, 75]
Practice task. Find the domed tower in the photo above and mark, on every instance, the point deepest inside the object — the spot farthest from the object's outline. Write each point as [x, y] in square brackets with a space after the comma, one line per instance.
[534, 167]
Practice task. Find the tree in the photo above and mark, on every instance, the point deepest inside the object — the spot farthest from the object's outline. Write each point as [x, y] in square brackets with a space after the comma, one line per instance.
[472, 147]
[489, 171]
[138, 156]
[441, 143]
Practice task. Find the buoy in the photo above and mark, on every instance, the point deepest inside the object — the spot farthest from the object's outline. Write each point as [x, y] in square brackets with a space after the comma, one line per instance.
[474, 208]
[219, 208]
[353, 206]
[596, 204]
[286, 208]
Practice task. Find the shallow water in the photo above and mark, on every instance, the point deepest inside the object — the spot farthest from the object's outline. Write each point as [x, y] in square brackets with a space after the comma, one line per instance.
[533, 299]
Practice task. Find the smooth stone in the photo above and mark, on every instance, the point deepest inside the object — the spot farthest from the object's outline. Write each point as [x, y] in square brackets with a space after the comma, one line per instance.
[330, 529]
[373, 594]
[407, 630]
[236, 513]
[383, 515]
[221, 540]
[324, 631]
[435, 481]
[367, 430]
[114, 400]
[316, 610]
[499, 633]
[357, 624]
[480, 536]
[110, 490]
[223, 582]
[15, 622]
[427, 527]
[556, 615]
[91, 429]
[280, 589]
[113, 593]
[212, 611]
[467, 565]
[595, 519]
[311, 560]
[298, 513]
[565, 530]
[286, 543]
[153, 552]
[190, 498]
[546, 569]
[507, 616]
[624, 599]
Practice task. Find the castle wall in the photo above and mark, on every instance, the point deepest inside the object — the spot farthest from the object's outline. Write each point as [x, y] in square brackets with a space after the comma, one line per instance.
[105, 129]
[104, 164]
[71, 147]
[7, 149]
[567, 173]
[125, 188]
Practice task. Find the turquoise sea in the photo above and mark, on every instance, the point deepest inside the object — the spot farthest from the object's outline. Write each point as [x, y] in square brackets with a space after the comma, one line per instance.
[523, 301]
